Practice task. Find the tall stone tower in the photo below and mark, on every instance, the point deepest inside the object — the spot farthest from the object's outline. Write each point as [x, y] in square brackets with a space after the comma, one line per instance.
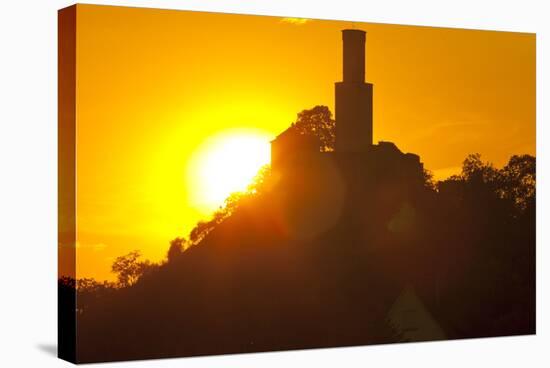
[353, 102]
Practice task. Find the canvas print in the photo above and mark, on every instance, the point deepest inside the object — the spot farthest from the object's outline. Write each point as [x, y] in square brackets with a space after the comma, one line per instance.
[237, 183]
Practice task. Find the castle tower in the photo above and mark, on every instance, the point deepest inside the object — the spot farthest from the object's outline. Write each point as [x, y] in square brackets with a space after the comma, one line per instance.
[353, 102]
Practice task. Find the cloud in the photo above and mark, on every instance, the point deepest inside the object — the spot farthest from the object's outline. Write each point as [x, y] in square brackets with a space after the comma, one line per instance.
[296, 21]
[95, 247]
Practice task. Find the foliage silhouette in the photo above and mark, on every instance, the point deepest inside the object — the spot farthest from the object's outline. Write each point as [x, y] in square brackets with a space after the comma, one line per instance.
[246, 281]
[129, 268]
[177, 246]
[318, 122]
[231, 203]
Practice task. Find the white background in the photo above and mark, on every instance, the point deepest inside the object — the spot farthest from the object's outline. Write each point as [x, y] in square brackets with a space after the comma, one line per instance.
[28, 182]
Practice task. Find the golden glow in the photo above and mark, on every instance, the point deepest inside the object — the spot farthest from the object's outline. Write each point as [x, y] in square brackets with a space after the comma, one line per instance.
[155, 87]
[224, 164]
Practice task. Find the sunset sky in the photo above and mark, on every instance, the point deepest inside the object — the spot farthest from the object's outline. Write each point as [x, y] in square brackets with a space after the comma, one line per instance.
[159, 91]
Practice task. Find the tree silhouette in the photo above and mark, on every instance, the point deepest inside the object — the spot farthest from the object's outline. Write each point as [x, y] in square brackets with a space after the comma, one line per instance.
[318, 122]
[129, 268]
[515, 182]
[428, 180]
[473, 168]
[177, 246]
[90, 291]
[519, 180]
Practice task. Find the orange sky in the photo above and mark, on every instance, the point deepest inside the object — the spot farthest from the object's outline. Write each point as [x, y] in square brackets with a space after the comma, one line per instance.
[154, 85]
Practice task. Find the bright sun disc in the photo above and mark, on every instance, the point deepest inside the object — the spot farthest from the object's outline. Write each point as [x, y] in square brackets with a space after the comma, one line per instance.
[225, 164]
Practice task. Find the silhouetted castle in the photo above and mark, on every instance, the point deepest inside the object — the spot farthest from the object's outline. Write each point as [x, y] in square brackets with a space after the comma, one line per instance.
[340, 248]
[352, 174]
[354, 123]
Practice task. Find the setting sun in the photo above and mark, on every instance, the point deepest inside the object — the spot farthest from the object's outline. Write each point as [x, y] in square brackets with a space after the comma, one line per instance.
[225, 164]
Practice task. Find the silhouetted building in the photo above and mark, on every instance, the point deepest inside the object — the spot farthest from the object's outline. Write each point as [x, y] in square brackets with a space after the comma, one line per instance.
[359, 163]
[361, 198]
[290, 146]
[353, 102]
